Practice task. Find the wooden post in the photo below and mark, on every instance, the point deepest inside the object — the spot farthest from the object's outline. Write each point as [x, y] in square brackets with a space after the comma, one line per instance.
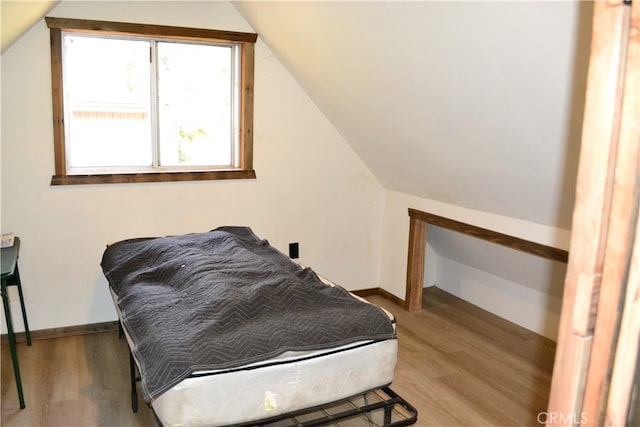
[605, 215]
[415, 264]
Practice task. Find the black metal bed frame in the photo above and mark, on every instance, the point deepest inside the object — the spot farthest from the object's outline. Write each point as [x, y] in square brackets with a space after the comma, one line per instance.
[388, 401]
[320, 415]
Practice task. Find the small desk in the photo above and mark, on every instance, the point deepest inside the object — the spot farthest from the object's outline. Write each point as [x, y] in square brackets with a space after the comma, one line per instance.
[11, 277]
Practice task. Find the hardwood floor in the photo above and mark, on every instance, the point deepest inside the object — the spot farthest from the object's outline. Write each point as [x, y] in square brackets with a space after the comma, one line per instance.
[72, 381]
[458, 365]
[462, 366]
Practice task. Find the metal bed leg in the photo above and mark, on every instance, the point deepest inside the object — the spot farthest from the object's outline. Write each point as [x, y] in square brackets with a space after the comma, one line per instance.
[134, 391]
[387, 415]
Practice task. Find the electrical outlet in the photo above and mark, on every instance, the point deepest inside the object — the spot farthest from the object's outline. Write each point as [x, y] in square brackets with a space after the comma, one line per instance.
[294, 250]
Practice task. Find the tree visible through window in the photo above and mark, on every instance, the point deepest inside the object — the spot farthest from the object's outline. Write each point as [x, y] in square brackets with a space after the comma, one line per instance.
[136, 102]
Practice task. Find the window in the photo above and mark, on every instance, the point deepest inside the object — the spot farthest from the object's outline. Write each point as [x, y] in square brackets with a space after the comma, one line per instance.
[141, 103]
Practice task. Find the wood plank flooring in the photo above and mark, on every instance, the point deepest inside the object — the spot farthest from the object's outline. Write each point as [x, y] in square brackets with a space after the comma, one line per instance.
[458, 365]
[462, 366]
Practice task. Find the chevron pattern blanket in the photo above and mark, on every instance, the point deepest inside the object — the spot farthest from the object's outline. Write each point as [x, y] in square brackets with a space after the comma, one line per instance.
[223, 299]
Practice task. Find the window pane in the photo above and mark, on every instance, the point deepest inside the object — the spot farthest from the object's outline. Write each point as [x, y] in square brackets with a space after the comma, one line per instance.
[195, 104]
[107, 93]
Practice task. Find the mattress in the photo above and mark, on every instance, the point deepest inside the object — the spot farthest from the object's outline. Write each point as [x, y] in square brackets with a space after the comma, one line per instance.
[289, 382]
[196, 308]
[225, 299]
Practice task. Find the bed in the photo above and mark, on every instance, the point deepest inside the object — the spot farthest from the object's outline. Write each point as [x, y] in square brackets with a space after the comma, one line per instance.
[224, 329]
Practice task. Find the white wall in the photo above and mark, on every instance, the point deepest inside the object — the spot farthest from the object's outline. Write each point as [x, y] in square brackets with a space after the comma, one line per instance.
[532, 301]
[430, 266]
[311, 187]
[515, 285]
[534, 310]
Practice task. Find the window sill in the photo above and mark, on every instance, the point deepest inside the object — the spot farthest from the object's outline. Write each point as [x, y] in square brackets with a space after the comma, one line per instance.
[152, 177]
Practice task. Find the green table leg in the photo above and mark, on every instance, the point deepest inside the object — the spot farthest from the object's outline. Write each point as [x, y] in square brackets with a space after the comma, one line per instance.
[16, 281]
[12, 342]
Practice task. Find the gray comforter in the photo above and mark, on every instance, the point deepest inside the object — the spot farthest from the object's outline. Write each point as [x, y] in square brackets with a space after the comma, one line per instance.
[222, 299]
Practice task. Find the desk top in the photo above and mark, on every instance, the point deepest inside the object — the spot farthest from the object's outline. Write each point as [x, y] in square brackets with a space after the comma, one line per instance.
[9, 258]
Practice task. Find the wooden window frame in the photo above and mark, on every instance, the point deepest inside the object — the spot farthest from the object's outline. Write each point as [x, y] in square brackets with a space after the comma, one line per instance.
[247, 41]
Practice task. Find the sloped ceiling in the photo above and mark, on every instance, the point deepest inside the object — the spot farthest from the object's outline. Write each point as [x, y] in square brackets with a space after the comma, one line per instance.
[476, 104]
[19, 16]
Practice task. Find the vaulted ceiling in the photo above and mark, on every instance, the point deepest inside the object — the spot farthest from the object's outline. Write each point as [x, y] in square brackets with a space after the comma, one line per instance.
[18, 16]
[477, 104]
